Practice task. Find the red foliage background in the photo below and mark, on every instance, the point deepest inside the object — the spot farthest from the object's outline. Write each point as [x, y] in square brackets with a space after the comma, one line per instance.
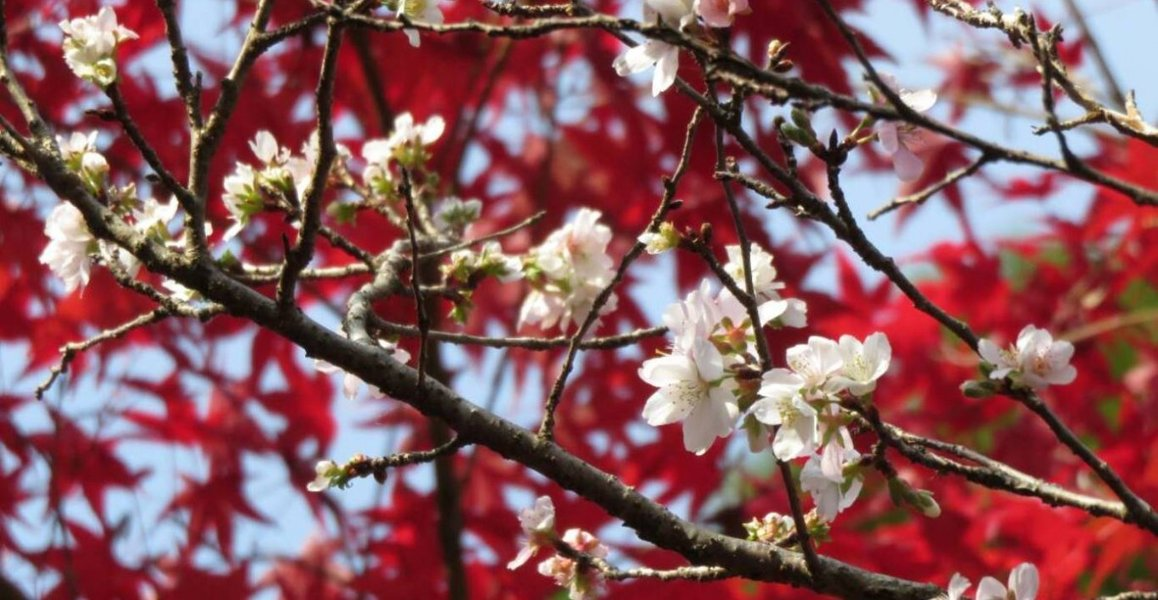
[547, 125]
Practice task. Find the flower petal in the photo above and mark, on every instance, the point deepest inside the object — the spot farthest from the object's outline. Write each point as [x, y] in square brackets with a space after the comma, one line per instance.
[665, 69]
[906, 164]
[919, 100]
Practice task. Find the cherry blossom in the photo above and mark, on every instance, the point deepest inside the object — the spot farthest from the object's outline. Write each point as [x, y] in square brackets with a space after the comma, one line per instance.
[325, 470]
[721, 13]
[863, 364]
[1036, 360]
[898, 139]
[691, 389]
[567, 272]
[423, 11]
[957, 586]
[823, 477]
[538, 524]
[581, 584]
[90, 44]
[1023, 584]
[408, 132]
[80, 154]
[406, 144]
[662, 55]
[789, 312]
[815, 362]
[69, 244]
[660, 241]
[242, 197]
[781, 404]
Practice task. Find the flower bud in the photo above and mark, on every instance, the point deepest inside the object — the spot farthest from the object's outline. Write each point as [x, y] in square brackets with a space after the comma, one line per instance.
[978, 389]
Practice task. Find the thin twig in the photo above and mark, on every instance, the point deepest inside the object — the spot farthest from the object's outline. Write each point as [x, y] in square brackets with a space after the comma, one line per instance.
[406, 189]
[667, 201]
[187, 87]
[303, 251]
[925, 194]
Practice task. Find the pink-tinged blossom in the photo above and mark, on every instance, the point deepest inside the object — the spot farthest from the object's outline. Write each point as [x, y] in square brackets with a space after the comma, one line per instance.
[90, 44]
[1036, 360]
[721, 13]
[567, 272]
[898, 139]
[823, 477]
[581, 584]
[692, 389]
[1023, 584]
[69, 244]
[538, 525]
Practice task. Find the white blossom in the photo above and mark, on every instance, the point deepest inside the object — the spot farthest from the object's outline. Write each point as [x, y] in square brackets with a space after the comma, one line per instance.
[652, 53]
[662, 55]
[538, 524]
[242, 197]
[154, 215]
[864, 363]
[324, 470]
[692, 389]
[696, 317]
[90, 44]
[407, 131]
[823, 477]
[957, 586]
[790, 312]
[764, 282]
[816, 362]
[898, 138]
[423, 11]
[781, 404]
[1023, 584]
[663, 239]
[69, 245]
[1035, 360]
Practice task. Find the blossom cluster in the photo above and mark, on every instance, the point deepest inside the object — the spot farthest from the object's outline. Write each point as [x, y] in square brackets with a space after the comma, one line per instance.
[1035, 360]
[281, 178]
[90, 45]
[567, 272]
[711, 380]
[538, 525]
[72, 247]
